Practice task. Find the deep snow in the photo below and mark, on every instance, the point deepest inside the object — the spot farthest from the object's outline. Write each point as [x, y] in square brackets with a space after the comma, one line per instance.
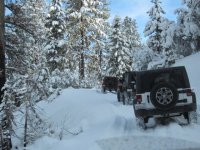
[192, 64]
[105, 124]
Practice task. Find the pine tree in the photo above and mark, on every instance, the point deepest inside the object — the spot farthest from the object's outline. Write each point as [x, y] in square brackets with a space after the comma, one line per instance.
[168, 43]
[27, 75]
[188, 31]
[94, 67]
[55, 25]
[2, 48]
[130, 29]
[55, 50]
[119, 54]
[85, 22]
[182, 43]
[5, 106]
[26, 53]
[153, 28]
[161, 34]
[142, 57]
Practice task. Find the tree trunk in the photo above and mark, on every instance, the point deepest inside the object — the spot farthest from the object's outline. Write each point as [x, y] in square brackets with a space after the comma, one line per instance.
[198, 44]
[100, 63]
[1, 136]
[25, 127]
[2, 48]
[5, 123]
[82, 63]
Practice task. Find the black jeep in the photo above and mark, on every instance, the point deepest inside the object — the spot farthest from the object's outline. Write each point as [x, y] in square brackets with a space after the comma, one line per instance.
[127, 87]
[164, 93]
[109, 84]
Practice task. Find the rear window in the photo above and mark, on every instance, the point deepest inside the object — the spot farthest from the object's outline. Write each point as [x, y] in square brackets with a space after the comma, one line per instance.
[178, 77]
[128, 77]
[110, 78]
[107, 80]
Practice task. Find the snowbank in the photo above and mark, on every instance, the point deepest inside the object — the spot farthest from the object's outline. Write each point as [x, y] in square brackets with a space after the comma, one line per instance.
[192, 65]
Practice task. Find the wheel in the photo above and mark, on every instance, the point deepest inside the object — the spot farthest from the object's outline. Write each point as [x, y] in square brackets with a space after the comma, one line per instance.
[123, 98]
[194, 98]
[163, 121]
[164, 96]
[146, 120]
[103, 90]
[191, 117]
[141, 123]
[118, 96]
[129, 97]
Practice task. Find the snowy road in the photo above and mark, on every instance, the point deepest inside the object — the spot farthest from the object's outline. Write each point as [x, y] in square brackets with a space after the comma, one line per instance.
[108, 125]
[147, 143]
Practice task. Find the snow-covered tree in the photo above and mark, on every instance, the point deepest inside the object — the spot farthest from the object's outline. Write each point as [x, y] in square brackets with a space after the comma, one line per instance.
[85, 22]
[26, 55]
[188, 32]
[182, 43]
[119, 52]
[168, 36]
[55, 50]
[129, 27]
[142, 57]
[99, 46]
[153, 28]
[2, 48]
[27, 75]
[162, 36]
[55, 35]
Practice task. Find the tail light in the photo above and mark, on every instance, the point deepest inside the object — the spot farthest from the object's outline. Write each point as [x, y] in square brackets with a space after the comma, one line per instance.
[189, 92]
[139, 98]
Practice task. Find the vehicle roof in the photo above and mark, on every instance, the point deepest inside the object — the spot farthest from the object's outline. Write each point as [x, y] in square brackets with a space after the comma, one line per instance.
[162, 70]
[109, 77]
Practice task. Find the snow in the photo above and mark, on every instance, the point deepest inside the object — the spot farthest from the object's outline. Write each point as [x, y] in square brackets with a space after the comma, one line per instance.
[55, 23]
[102, 123]
[192, 65]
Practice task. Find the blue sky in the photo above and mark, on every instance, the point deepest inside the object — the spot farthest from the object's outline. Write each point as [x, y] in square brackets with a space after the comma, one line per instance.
[137, 9]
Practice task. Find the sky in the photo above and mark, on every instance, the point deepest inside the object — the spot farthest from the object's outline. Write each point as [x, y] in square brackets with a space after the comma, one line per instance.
[137, 9]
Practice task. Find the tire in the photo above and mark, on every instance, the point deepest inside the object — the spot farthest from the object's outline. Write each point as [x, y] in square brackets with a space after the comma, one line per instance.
[194, 98]
[130, 98]
[162, 121]
[104, 90]
[164, 96]
[118, 96]
[123, 98]
[191, 117]
[135, 112]
[141, 123]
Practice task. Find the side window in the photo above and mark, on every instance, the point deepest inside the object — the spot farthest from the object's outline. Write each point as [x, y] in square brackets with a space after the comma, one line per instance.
[164, 77]
[177, 78]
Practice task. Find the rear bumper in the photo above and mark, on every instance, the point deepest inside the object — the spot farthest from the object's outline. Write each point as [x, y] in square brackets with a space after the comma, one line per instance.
[154, 112]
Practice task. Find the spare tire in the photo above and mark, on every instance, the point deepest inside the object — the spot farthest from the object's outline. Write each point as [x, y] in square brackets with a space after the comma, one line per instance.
[164, 96]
